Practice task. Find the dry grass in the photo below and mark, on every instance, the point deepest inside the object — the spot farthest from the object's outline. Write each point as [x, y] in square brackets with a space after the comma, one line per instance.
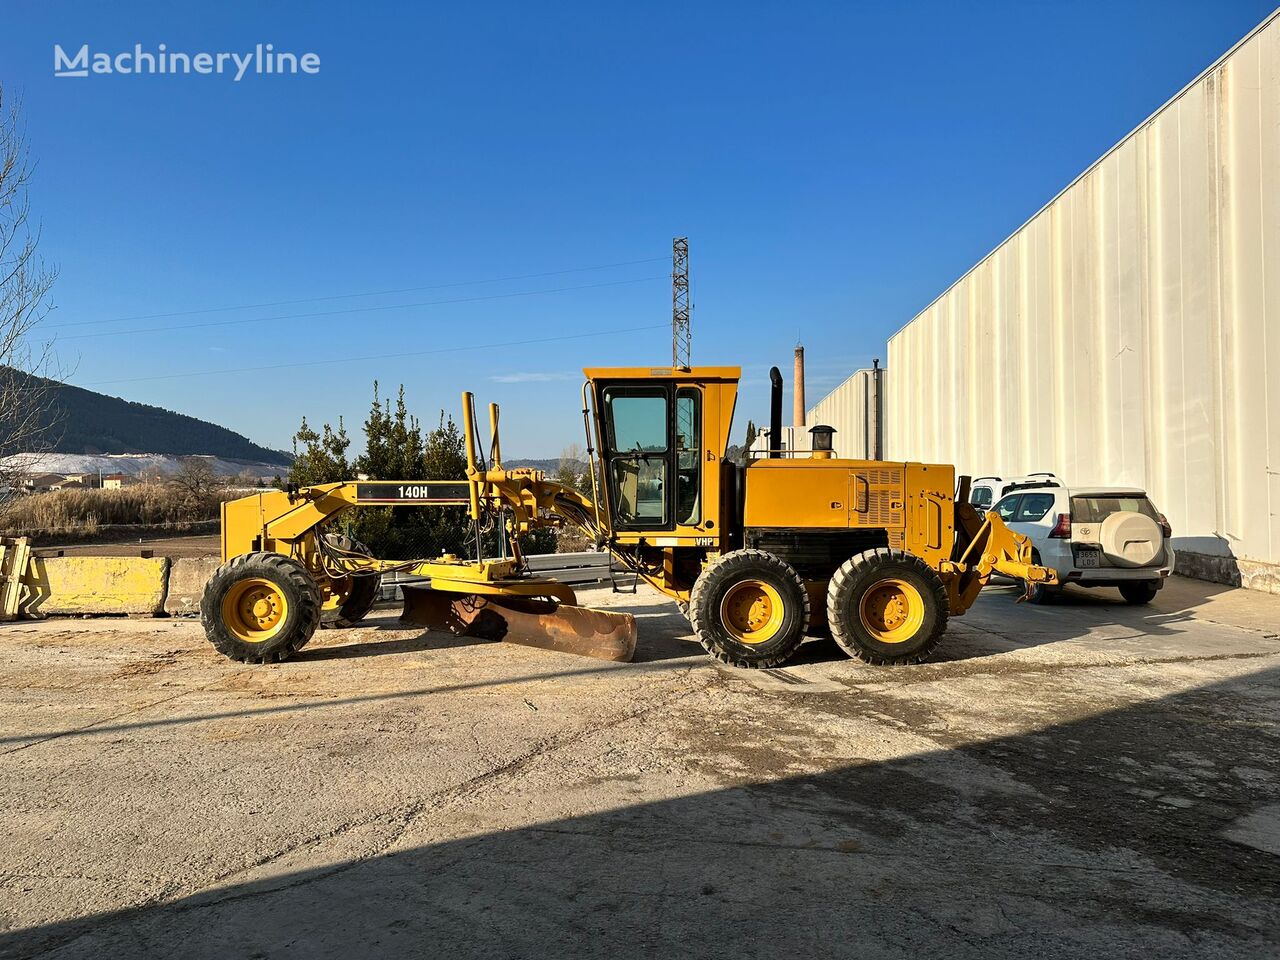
[77, 514]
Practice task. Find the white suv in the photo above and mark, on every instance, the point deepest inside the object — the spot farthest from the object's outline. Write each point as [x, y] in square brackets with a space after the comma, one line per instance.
[984, 491]
[1093, 537]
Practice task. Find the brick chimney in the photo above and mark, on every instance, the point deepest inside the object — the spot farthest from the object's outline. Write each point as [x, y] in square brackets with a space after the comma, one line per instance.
[797, 389]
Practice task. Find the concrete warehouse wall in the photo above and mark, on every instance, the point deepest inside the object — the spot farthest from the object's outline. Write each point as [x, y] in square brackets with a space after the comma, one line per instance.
[1130, 331]
[849, 408]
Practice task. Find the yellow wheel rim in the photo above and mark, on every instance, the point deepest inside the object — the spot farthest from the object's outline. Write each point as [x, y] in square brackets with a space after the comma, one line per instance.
[751, 611]
[255, 610]
[891, 611]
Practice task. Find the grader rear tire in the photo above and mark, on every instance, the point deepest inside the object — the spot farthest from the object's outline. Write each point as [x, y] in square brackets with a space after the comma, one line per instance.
[260, 607]
[361, 593]
[749, 609]
[887, 607]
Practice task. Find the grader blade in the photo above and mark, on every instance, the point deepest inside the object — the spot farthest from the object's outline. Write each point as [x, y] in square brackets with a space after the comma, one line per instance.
[529, 622]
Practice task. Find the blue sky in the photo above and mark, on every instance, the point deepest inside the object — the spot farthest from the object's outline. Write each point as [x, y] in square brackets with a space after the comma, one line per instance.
[835, 165]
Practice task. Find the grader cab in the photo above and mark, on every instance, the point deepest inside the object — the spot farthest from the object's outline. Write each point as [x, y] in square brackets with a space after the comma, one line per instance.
[879, 554]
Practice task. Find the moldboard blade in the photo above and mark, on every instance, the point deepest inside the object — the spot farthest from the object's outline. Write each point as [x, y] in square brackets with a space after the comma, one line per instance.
[530, 623]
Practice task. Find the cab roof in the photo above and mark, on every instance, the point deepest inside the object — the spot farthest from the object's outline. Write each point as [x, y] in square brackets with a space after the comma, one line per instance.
[663, 373]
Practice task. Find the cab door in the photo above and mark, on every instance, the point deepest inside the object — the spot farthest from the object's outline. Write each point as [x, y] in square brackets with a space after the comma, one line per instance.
[661, 444]
[638, 454]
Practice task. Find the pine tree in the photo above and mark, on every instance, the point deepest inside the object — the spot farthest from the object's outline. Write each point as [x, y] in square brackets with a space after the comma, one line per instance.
[742, 455]
[323, 457]
[444, 452]
[396, 448]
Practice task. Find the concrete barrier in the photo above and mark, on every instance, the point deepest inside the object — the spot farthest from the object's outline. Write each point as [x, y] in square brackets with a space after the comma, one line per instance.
[96, 585]
[154, 586]
[187, 577]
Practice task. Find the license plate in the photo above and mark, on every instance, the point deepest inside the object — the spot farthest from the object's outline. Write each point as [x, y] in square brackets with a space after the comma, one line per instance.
[1087, 558]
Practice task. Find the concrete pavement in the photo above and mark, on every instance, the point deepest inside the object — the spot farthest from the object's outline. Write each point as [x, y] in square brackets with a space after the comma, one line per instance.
[1079, 778]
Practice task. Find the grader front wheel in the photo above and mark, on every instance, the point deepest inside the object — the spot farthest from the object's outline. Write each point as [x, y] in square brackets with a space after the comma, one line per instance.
[260, 607]
[887, 607]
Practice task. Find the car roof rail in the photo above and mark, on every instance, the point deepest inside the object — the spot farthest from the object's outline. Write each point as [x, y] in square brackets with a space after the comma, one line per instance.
[976, 479]
[1032, 485]
[1043, 473]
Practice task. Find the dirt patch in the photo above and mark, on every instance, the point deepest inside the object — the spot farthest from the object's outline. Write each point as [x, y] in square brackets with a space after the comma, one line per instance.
[202, 545]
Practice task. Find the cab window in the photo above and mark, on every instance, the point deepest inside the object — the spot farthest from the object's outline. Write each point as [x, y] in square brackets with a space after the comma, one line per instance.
[1006, 507]
[688, 456]
[636, 430]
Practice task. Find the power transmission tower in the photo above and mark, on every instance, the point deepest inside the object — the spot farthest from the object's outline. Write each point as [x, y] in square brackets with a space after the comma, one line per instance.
[681, 330]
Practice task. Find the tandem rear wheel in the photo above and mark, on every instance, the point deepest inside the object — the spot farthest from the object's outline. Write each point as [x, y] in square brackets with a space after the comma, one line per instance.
[749, 609]
[887, 607]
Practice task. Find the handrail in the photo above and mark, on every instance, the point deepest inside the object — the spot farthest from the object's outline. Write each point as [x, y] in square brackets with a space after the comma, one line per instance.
[591, 454]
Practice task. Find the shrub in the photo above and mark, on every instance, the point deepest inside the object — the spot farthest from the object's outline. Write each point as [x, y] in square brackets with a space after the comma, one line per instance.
[77, 513]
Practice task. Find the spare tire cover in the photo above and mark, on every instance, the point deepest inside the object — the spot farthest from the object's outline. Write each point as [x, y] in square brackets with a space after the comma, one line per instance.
[1131, 540]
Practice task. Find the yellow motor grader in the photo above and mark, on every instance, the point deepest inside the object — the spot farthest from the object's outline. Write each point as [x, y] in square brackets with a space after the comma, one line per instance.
[878, 553]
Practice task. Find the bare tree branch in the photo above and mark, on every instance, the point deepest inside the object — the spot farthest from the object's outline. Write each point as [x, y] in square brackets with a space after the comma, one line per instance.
[196, 477]
[27, 371]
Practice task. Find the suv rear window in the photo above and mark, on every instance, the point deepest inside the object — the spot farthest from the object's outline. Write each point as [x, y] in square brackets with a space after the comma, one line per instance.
[1097, 509]
[981, 497]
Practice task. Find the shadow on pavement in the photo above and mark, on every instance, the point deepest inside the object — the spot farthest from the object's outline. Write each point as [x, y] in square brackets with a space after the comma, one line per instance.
[1122, 834]
[664, 635]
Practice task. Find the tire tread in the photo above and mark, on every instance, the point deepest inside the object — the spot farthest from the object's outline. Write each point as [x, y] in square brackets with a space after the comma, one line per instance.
[841, 584]
[292, 571]
[750, 558]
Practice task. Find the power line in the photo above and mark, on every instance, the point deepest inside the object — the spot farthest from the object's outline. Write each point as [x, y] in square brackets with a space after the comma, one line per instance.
[350, 310]
[350, 296]
[379, 356]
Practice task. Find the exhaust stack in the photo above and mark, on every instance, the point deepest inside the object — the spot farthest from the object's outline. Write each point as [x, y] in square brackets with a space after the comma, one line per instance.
[775, 413]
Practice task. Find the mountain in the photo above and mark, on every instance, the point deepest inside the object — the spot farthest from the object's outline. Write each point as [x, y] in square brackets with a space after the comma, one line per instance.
[84, 422]
[547, 466]
[131, 464]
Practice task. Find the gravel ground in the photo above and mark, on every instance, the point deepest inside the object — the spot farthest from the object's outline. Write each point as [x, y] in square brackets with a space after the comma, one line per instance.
[1085, 778]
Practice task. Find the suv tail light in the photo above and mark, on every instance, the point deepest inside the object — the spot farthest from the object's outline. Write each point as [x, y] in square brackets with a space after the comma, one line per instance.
[1164, 526]
[1062, 527]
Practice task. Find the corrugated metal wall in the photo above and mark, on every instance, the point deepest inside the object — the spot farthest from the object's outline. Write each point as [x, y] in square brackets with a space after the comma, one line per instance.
[849, 408]
[1130, 331]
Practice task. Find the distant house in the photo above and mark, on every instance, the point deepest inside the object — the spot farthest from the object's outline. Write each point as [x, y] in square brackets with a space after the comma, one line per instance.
[69, 484]
[117, 481]
[40, 482]
[83, 479]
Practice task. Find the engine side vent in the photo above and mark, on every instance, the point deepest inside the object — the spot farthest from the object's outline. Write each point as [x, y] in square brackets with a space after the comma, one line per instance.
[879, 499]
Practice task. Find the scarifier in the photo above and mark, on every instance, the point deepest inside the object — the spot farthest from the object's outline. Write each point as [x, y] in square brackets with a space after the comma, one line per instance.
[878, 553]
